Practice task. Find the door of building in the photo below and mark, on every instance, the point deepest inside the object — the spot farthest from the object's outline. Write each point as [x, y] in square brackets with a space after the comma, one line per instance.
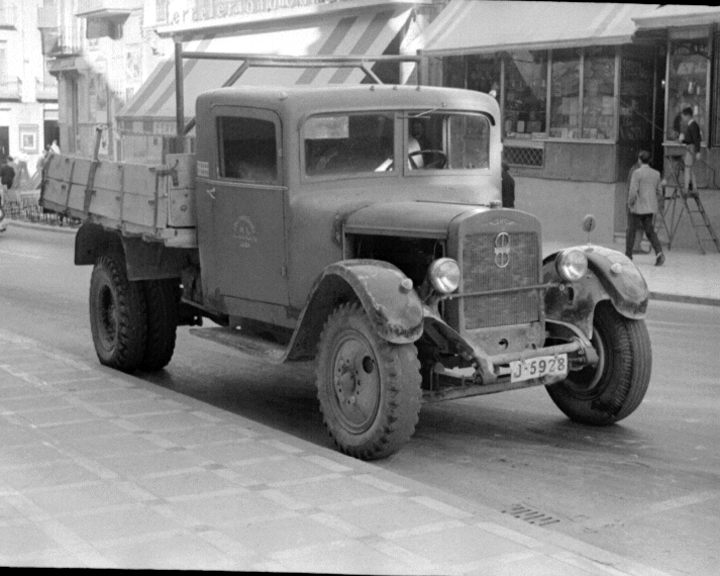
[4, 142]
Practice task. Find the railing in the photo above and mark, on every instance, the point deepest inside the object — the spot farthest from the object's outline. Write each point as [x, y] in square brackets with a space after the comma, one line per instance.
[46, 90]
[10, 88]
[8, 17]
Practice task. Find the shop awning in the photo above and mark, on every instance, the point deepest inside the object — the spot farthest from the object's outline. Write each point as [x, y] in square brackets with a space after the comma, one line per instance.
[678, 15]
[360, 34]
[477, 26]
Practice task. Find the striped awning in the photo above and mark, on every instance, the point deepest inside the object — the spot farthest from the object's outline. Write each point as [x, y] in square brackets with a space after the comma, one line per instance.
[368, 33]
[478, 26]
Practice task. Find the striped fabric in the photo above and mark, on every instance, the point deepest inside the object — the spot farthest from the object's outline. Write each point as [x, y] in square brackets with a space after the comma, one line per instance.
[361, 34]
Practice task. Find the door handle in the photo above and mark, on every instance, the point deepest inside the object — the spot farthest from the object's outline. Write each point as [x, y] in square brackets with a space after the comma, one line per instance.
[211, 192]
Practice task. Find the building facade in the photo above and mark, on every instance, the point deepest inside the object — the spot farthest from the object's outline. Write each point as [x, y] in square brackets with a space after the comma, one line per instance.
[115, 66]
[582, 94]
[28, 94]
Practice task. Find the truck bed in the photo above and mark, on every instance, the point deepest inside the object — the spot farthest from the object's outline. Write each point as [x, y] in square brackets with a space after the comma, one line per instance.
[155, 202]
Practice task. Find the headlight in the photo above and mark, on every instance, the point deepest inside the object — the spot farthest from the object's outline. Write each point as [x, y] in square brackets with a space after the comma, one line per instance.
[444, 275]
[571, 265]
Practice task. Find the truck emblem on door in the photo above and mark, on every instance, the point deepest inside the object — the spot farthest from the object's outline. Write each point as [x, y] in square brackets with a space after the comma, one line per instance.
[244, 230]
[502, 250]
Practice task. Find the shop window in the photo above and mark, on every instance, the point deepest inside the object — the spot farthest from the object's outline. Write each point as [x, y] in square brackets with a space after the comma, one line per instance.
[248, 149]
[687, 83]
[636, 95]
[598, 103]
[525, 93]
[473, 72]
[565, 94]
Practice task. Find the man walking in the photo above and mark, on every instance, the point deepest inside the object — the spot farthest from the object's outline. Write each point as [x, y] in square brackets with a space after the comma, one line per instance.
[643, 204]
[691, 138]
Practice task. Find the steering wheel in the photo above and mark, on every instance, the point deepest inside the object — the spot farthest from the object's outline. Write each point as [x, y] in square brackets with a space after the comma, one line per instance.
[439, 161]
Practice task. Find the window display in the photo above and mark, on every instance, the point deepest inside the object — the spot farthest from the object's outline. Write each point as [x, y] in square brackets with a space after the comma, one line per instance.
[598, 121]
[526, 94]
[636, 96]
[565, 94]
[687, 83]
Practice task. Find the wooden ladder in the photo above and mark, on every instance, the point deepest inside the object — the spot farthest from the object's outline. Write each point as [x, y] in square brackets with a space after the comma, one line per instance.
[691, 203]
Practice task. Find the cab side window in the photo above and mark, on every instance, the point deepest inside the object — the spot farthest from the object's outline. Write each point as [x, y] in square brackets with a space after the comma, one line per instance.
[248, 149]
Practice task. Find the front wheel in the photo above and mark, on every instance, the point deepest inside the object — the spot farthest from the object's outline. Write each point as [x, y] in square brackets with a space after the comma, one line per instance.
[118, 316]
[369, 389]
[614, 388]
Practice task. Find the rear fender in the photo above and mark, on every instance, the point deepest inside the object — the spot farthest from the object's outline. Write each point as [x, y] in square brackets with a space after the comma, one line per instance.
[396, 313]
[144, 260]
[610, 276]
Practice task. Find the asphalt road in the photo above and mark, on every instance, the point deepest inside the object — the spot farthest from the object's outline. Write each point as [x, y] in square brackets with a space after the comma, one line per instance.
[647, 489]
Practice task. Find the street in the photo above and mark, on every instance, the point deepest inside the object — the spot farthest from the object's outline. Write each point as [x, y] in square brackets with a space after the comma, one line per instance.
[647, 489]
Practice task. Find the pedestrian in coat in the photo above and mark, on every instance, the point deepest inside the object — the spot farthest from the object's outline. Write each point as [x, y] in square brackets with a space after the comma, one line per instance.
[645, 187]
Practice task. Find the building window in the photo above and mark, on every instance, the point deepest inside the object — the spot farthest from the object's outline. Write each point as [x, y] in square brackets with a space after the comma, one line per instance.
[565, 94]
[525, 93]
[474, 72]
[687, 82]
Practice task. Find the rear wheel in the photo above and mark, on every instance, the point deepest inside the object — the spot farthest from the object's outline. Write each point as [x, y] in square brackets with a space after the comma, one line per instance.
[117, 315]
[162, 299]
[614, 388]
[369, 389]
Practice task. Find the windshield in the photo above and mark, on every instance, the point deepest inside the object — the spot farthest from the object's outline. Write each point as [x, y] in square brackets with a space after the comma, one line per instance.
[349, 143]
[363, 142]
[448, 141]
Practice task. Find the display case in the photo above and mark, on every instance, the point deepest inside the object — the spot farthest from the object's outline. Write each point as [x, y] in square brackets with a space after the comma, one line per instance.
[598, 120]
[526, 94]
[687, 82]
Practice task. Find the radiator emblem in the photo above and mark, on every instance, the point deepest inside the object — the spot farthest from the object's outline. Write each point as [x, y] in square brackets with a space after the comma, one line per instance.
[502, 250]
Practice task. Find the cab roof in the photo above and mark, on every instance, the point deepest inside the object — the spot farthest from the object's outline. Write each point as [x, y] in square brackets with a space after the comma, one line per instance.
[301, 101]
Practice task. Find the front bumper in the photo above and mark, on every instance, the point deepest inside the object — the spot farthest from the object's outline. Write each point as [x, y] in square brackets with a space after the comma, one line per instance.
[491, 373]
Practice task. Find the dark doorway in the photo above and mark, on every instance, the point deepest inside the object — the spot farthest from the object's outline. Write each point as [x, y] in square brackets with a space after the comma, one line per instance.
[51, 132]
[4, 142]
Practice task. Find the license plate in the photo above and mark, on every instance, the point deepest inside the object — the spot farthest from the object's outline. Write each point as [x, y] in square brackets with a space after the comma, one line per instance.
[538, 367]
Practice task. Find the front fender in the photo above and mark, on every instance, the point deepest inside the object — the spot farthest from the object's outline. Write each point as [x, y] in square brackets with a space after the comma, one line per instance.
[396, 313]
[610, 276]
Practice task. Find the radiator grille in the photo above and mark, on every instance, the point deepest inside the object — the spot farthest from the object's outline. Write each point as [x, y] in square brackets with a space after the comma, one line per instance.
[481, 273]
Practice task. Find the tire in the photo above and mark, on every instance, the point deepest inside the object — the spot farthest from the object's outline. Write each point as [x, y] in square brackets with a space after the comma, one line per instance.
[369, 390]
[161, 299]
[604, 394]
[118, 316]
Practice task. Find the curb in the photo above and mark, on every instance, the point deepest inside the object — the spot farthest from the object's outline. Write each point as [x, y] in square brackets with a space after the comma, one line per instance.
[37, 226]
[700, 300]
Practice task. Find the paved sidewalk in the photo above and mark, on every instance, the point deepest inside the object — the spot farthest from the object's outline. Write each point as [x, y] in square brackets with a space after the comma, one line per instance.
[100, 469]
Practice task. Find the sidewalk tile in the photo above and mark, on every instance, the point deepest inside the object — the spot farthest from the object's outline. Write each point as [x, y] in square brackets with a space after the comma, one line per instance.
[24, 538]
[219, 510]
[52, 474]
[196, 483]
[68, 500]
[160, 461]
[139, 522]
[342, 557]
[276, 535]
[177, 552]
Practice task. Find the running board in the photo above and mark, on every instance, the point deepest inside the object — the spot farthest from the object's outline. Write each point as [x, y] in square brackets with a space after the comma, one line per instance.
[266, 350]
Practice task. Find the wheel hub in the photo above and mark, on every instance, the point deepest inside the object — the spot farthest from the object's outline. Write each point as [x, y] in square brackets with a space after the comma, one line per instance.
[356, 383]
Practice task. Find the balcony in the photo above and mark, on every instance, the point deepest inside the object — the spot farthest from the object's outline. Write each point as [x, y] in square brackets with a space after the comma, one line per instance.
[10, 89]
[106, 9]
[46, 90]
[8, 18]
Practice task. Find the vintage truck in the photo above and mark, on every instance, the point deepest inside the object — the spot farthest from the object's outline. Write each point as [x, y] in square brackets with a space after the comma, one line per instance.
[310, 224]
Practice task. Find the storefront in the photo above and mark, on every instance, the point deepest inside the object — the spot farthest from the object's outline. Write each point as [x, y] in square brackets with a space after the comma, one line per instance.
[578, 97]
[288, 28]
[689, 36]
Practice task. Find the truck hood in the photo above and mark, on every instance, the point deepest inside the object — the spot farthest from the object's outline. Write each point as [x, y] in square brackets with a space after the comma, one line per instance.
[418, 219]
